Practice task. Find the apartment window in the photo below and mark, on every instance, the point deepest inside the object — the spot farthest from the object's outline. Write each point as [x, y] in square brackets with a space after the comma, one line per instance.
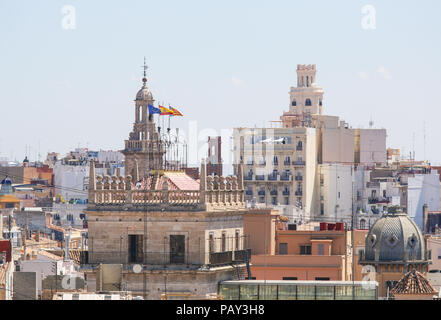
[286, 201]
[362, 224]
[224, 241]
[135, 248]
[322, 278]
[321, 249]
[283, 248]
[322, 209]
[294, 103]
[274, 201]
[211, 242]
[308, 102]
[305, 249]
[261, 199]
[177, 248]
[275, 160]
[339, 194]
[289, 278]
[237, 240]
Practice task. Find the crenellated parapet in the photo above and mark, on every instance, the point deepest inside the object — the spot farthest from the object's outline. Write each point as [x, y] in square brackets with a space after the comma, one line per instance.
[215, 193]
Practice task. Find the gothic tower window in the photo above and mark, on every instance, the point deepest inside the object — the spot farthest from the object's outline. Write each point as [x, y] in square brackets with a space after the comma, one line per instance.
[294, 103]
[308, 102]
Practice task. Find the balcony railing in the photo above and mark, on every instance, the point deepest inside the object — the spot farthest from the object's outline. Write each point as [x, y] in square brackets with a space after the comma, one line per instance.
[248, 177]
[374, 200]
[287, 163]
[272, 177]
[285, 193]
[285, 177]
[261, 193]
[217, 258]
[260, 177]
[273, 192]
[249, 192]
[299, 163]
[299, 178]
[298, 192]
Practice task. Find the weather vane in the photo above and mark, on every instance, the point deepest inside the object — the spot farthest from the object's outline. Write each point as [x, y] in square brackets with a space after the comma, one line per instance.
[145, 67]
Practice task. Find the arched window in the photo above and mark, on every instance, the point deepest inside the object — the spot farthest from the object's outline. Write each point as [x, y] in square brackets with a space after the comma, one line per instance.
[299, 145]
[139, 118]
[308, 102]
[294, 103]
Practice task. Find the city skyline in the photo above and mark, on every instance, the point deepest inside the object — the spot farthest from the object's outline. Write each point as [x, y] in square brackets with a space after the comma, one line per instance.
[73, 87]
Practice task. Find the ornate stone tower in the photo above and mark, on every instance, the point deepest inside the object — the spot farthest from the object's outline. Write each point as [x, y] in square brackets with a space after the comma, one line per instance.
[144, 150]
[306, 100]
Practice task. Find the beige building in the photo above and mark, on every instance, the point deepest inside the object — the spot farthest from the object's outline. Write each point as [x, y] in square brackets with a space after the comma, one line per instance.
[279, 167]
[166, 234]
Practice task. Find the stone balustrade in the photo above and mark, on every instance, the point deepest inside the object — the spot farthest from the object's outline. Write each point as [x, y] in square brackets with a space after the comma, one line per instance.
[215, 192]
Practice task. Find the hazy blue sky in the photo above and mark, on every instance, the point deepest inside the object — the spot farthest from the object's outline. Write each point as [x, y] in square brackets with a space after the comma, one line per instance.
[222, 63]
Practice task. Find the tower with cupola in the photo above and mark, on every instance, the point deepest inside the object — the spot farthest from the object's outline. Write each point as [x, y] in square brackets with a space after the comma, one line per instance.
[144, 150]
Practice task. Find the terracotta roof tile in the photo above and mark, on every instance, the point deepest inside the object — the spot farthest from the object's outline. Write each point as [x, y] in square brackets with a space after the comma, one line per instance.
[413, 282]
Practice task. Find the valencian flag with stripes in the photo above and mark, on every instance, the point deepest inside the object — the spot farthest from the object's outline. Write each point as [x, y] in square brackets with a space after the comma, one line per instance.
[176, 112]
[165, 111]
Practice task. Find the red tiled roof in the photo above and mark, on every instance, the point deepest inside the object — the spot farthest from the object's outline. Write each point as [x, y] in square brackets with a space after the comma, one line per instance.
[413, 282]
[182, 181]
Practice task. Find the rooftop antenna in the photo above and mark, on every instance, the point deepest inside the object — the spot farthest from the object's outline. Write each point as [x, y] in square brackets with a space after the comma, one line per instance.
[424, 137]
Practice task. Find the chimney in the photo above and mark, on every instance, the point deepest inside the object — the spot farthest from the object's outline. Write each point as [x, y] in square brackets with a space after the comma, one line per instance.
[425, 219]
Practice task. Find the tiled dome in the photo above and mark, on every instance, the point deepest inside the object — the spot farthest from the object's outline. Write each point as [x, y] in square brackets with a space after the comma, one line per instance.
[394, 237]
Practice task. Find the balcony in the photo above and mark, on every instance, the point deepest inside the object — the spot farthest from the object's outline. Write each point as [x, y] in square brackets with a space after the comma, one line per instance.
[260, 177]
[242, 255]
[217, 258]
[373, 200]
[250, 163]
[299, 148]
[298, 192]
[285, 193]
[272, 177]
[285, 177]
[249, 192]
[262, 163]
[299, 163]
[248, 177]
[273, 192]
[299, 178]
[261, 192]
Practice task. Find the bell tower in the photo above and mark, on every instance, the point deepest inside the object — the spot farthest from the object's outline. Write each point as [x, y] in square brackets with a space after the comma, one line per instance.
[144, 150]
[306, 100]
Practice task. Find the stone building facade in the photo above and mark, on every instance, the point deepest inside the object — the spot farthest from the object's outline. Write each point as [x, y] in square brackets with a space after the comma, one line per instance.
[171, 240]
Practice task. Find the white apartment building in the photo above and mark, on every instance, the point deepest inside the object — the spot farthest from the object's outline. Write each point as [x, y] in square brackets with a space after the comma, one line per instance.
[306, 168]
[423, 189]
